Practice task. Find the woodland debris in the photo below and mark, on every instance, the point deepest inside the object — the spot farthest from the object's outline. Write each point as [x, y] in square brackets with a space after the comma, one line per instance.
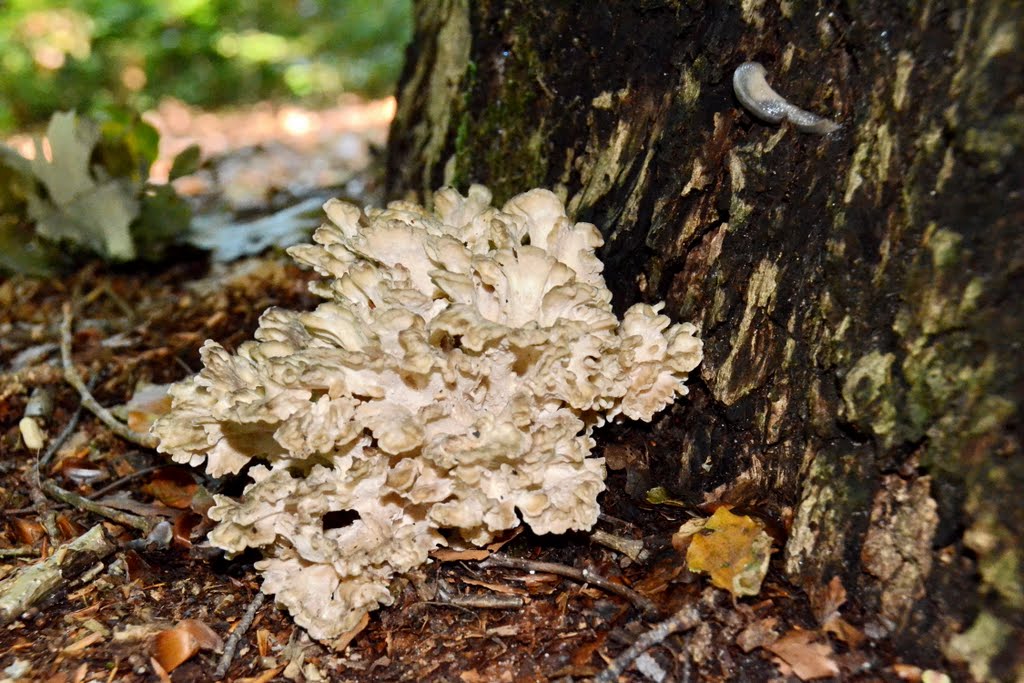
[75, 380]
[683, 620]
[83, 503]
[630, 547]
[648, 608]
[34, 582]
[236, 636]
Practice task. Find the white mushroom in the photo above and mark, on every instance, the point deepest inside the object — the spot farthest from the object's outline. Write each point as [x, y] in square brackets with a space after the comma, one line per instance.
[451, 379]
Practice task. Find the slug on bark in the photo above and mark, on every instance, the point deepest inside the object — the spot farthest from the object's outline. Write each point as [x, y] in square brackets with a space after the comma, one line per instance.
[757, 97]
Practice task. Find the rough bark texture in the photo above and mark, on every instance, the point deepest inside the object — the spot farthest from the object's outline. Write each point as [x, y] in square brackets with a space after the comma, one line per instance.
[859, 293]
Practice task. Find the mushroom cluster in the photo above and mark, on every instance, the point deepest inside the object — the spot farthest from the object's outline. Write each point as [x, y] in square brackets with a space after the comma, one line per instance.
[445, 391]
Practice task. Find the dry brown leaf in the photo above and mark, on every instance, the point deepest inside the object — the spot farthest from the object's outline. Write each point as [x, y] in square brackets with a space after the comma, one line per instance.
[826, 601]
[172, 486]
[263, 641]
[806, 658]
[206, 637]
[734, 550]
[758, 634]
[159, 671]
[82, 643]
[473, 554]
[844, 631]
[149, 402]
[265, 677]
[173, 647]
[471, 676]
[907, 672]
[343, 641]
[26, 530]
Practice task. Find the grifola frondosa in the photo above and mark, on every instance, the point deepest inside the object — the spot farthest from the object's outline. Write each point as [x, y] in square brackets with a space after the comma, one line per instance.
[450, 381]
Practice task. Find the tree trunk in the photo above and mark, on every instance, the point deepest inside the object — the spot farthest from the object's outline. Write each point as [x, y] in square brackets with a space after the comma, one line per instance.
[859, 293]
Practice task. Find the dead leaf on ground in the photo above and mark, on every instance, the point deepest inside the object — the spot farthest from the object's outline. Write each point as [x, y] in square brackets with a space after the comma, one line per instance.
[733, 550]
[172, 486]
[173, 647]
[342, 641]
[758, 634]
[149, 402]
[799, 653]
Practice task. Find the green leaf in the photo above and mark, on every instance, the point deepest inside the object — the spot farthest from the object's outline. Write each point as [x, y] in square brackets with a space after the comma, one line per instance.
[164, 219]
[98, 218]
[186, 162]
[659, 496]
[22, 252]
[66, 174]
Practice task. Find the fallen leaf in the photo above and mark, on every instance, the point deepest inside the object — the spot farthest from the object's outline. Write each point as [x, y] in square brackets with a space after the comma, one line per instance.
[263, 642]
[659, 496]
[733, 550]
[82, 643]
[758, 634]
[206, 637]
[343, 641]
[173, 647]
[807, 658]
[473, 554]
[149, 402]
[159, 671]
[826, 601]
[265, 677]
[172, 486]
[26, 530]
[844, 631]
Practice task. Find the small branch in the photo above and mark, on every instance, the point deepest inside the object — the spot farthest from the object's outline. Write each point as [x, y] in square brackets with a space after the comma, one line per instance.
[34, 582]
[683, 620]
[583, 576]
[83, 503]
[91, 404]
[236, 636]
[118, 483]
[22, 551]
[480, 601]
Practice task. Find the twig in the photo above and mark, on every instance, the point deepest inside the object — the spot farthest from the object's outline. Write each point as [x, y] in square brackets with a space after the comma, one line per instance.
[118, 483]
[34, 582]
[630, 547]
[65, 433]
[83, 503]
[582, 575]
[683, 620]
[91, 404]
[236, 636]
[22, 551]
[480, 601]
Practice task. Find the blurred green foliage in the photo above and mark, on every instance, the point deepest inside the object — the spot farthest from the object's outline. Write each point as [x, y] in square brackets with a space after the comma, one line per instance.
[95, 54]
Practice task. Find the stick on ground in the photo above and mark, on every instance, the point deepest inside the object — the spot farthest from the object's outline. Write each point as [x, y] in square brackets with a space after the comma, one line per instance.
[82, 503]
[236, 636]
[582, 575]
[91, 404]
[34, 582]
[683, 620]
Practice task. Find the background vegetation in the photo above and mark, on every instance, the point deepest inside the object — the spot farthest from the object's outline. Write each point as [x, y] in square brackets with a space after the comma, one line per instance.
[90, 55]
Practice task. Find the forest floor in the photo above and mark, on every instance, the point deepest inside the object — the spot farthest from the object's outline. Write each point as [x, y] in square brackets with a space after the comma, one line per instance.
[163, 610]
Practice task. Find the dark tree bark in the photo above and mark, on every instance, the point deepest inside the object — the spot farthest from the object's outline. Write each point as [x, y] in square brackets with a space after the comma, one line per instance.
[859, 294]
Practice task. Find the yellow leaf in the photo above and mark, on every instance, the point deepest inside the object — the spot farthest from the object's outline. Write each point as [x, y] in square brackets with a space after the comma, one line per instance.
[733, 550]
